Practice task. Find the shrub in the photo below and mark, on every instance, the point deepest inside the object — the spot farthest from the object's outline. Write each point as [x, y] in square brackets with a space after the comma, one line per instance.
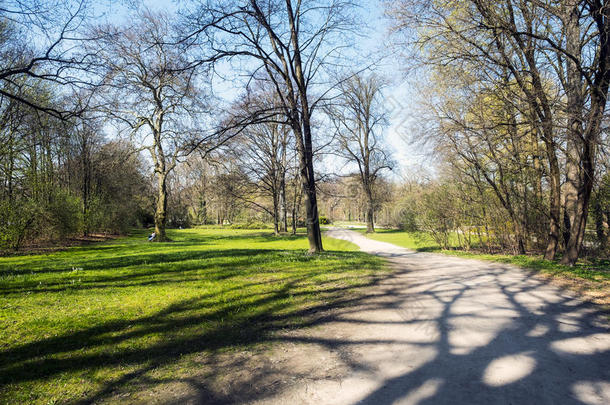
[324, 220]
[17, 221]
[64, 215]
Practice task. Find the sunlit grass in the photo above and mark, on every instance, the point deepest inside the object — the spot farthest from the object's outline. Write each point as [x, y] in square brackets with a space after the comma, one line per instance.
[423, 242]
[76, 323]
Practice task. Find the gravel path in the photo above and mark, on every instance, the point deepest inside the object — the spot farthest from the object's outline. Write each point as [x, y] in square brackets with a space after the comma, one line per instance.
[439, 330]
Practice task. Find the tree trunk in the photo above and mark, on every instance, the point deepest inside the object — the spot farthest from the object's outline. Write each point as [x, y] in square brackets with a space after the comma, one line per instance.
[276, 213]
[283, 203]
[304, 141]
[370, 212]
[298, 197]
[308, 181]
[554, 203]
[160, 212]
[601, 226]
[284, 208]
[311, 208]
[203, 211]
[520, 243]
[581, 212]
[585, 134]
[284, 165]
[574, 115]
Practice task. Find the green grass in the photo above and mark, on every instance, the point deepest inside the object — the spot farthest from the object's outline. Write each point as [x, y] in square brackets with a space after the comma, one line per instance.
[84, 323]
[419, 241]
[595, 271]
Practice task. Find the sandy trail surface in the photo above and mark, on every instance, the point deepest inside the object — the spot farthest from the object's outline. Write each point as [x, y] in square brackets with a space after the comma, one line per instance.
[437, 330]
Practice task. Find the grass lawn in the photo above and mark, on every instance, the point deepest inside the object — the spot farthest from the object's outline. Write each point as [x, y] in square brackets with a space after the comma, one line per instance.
[592, 276]
[84, 323]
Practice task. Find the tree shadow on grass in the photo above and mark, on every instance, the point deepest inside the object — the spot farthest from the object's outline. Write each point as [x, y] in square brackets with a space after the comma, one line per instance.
[279, 296]
[130, 252]
[150, 269]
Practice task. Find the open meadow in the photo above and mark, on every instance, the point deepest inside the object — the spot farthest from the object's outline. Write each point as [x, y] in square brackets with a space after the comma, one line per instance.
[81, 323]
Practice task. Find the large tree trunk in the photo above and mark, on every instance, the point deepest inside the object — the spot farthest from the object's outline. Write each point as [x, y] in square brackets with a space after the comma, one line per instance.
[304, 143]
[574, 115]
[160, 212]
[554, 202]
[308, 182]
[370, 212]
[276, 212]
[580, 212]
[588, 134]
[314, 235]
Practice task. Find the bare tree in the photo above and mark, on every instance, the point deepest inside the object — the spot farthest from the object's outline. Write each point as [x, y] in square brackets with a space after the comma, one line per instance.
[155, 95]
[43, 41]
[558, 53]
[579, 50]
[262, 151]
[287, 44]
[359, 119]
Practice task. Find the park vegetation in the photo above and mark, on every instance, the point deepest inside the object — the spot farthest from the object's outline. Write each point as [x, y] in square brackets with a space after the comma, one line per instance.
[236, 131]
[111, 124]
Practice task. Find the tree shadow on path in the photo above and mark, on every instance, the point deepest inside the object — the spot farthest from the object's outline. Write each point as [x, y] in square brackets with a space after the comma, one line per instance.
[444, 331]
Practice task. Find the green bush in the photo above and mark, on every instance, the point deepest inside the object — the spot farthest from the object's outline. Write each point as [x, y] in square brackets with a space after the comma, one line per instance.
[407, 220]
[64, 215]
[324, 220]
[26, 219]
[17, 221]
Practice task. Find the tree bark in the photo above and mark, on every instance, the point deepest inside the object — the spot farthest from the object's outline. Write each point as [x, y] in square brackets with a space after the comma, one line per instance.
[590, 127]
[304, 142]
[283, 202]
[298, 194]
[370, 212]
[311, 203]
[601, 226]
[276, 213]
[160, 211]
[554, 201]
[574, 115]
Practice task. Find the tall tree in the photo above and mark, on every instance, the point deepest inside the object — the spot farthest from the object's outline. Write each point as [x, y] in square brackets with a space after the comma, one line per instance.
[155, 94]
[359, 119]
[558, 53]
[261, 151]
[287, 44]
[586, 52]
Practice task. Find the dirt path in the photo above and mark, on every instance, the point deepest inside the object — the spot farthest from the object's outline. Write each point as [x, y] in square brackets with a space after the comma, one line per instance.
[440, 330]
